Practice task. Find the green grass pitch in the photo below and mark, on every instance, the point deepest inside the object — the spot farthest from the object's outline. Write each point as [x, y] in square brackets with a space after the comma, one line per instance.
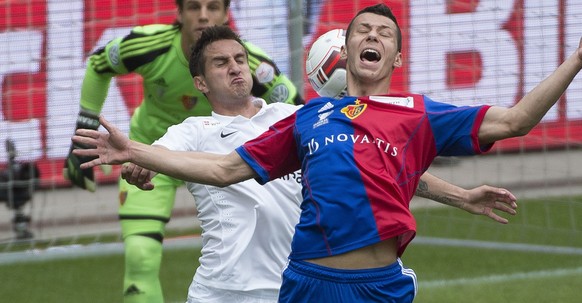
[448, 272]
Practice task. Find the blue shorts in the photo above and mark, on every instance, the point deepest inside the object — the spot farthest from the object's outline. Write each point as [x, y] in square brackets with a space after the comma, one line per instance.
[308, 282]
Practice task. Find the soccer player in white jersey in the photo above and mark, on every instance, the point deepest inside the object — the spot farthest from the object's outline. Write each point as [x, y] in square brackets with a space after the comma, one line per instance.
[246, 234]
[247, 228]
[159, 54]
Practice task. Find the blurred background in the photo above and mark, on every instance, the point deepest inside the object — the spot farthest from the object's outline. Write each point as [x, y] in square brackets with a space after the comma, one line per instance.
[466, 52]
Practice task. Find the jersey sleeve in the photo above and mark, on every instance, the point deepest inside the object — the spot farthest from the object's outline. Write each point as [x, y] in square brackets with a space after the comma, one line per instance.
[268, 81]
[119, 57]
[455, 128]
[98, 74]
[94, 90]
[274, 153]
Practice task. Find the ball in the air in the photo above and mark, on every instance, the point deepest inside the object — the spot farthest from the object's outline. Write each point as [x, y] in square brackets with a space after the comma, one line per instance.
[326, 70]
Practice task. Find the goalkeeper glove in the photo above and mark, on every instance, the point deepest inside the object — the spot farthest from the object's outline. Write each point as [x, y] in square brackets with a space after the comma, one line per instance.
[84, 178]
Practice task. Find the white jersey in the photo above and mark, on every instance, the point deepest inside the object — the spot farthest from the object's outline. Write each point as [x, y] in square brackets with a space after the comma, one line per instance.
[246, 227]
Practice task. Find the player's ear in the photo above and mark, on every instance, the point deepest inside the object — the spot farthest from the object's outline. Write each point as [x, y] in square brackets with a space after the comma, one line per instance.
[200, 84]
[343, 52]
[398, 60]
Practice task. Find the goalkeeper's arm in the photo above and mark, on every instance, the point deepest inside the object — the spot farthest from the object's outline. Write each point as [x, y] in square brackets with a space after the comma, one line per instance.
[84, 178]
[93, 94]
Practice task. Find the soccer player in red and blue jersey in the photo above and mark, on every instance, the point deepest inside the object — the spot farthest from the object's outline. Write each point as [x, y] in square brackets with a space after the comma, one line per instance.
[361, 160]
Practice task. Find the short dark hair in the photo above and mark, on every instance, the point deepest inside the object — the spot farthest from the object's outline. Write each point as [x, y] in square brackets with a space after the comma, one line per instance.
[180, 3]
[209, 35]
[382, 10]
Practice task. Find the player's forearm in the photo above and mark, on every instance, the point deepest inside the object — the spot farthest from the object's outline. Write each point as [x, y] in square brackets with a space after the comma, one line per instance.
[197, 167]
[519, 120]
[94, 90]
[534, 105]
[438, 190]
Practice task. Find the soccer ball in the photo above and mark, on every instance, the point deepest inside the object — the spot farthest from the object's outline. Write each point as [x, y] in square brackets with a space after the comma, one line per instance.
[326, 71]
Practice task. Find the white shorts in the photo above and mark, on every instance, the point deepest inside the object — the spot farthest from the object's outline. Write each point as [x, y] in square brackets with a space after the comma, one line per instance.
[199, 293]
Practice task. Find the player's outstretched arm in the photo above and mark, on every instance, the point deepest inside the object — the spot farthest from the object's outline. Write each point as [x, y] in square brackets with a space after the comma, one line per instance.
[482, 200]
[500, 123]
[114, 147]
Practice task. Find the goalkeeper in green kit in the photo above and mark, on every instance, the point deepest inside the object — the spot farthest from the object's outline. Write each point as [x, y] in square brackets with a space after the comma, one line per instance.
[159, 54]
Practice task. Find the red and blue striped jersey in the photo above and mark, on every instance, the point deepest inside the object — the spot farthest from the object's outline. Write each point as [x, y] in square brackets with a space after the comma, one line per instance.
[361, 160]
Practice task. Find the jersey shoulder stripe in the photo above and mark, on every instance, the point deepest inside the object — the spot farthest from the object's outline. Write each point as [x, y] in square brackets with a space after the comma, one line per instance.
[139, 42]
[143, 45]
[98, 61]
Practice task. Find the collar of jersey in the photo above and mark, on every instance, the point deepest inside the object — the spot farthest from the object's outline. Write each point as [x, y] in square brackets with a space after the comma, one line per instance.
[226, 120]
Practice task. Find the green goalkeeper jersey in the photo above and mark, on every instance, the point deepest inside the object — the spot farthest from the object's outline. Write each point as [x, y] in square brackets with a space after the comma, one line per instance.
[169, 95]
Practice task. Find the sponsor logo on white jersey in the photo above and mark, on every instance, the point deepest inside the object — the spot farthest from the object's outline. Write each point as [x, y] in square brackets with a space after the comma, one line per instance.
[209, 123]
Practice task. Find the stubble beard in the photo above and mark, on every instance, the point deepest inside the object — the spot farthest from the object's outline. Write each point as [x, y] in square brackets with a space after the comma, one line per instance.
[241, 90]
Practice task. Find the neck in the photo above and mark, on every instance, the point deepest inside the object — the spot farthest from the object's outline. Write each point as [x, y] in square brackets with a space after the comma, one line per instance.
[247, 108]
[365, 87]
[186, 45]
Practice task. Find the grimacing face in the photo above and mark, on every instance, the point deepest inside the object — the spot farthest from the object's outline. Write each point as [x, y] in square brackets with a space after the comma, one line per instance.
[227, 73]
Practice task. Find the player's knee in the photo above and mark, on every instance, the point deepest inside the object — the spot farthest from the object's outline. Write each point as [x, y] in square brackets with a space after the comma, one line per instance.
[143, 255]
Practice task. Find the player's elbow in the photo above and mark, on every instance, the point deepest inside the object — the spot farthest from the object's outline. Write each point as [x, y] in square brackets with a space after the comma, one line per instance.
[515, 124]
[521, 127]
[231, 169]
[518, 130]
[223, 177]
[222, 181]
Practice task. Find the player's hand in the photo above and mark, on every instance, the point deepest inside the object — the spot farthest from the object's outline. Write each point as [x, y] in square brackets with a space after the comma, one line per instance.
[483, 200]
[83, 178]
[105, 148]
[138, 176]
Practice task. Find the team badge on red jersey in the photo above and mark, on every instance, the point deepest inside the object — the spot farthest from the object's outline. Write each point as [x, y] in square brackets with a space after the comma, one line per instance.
[353, 111]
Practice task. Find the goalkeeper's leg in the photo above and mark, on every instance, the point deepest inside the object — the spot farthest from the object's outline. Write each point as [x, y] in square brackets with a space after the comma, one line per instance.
[141, 283]
[143, 216]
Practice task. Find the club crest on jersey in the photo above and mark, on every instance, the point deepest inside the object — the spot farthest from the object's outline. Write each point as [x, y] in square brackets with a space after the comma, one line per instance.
[189, 102]
[353, 111]
[122, 197]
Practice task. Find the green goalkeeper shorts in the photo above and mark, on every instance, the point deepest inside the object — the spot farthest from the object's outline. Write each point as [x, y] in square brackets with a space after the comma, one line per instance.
[142, 211]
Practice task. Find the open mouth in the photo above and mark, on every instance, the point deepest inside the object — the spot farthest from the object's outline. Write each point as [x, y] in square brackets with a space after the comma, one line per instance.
[370, 55]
